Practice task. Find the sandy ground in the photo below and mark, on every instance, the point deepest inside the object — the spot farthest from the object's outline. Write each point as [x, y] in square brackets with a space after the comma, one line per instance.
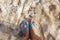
[44, 12]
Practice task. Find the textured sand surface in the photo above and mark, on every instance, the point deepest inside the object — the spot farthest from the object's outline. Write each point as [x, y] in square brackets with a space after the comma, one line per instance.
[44, 12]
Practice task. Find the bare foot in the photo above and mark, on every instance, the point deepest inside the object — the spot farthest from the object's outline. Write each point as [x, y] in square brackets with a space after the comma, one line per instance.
[34, 36]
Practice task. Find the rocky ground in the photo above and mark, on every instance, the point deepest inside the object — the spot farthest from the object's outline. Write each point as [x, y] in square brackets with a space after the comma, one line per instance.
[45, 12]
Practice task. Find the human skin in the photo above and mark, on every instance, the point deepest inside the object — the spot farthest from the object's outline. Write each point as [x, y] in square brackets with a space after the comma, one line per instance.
[26, 35]
[31, 33]
[34, 36]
